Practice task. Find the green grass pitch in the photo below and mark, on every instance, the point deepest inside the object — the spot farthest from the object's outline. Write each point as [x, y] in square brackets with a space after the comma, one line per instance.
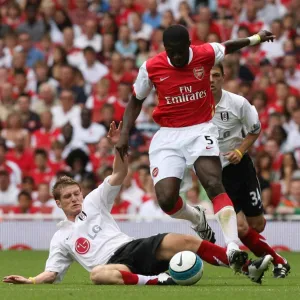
[216, 283]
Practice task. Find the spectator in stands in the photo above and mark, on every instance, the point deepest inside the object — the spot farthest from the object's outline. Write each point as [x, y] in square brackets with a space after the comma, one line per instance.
[292, 103]
[14, 15]
[74, 55]
[30, 119]
[27, 185]
[117, 73]
[67, 111]
[70, 142]
[87, 131]
[107, 112]
[21, 155]
[137, 26]
[263, 166]
[59, 22]
[14, 129]
[5, 57]
[47, 134]
[293, 140]
[121, 100]
[276, 50]
[24, 205]
[167, 19]
[42, 173]
[12, 168]
[272, 147]
[41, 71]
[34, 27]
[103, 156]
[98, 98]
[90, 37]
[291, 204]
[122, 207]
[46, 99]
[150, 209]
[279, 135]
[148, 127]
[87, 185]
[43, 198]
[292, 73]
[143, 50]
[67, 81]
[193, 198]
[131, 191]
[56, 159]
[124, 45]
[289, 166]
[151, 16]
[81, 13]
[32, 54]
[92, 70]
[78, 161]
[8, 191]
[6, 101]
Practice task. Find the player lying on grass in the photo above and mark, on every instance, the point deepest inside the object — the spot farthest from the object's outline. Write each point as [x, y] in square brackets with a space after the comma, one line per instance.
[234, 115]
[90, 236]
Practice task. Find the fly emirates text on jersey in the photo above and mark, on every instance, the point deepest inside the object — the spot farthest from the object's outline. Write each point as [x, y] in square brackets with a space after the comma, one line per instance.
[186, 94]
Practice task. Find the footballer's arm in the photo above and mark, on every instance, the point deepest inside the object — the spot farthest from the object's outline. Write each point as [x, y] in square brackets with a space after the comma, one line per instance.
[45, 277]
[120, 165]
[261, 37]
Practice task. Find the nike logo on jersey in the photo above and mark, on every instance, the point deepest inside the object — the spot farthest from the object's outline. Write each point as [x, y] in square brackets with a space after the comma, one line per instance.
[180, 261]
[208, 147]
[164, 78]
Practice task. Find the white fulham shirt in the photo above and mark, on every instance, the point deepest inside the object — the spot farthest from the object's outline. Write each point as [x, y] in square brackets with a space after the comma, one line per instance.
[234, 116]
[92, 239]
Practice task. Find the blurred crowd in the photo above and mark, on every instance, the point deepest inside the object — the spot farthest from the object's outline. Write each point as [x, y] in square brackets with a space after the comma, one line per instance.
[66, 71]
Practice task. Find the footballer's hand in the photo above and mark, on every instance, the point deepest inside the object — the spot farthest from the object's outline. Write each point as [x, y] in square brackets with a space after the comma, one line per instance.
[122, 145]
[266, 36]
[114, 133]
[16, 279]
[233, 157]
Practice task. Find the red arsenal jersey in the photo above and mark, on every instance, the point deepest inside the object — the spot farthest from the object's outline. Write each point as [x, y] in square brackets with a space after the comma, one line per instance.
[184, 94]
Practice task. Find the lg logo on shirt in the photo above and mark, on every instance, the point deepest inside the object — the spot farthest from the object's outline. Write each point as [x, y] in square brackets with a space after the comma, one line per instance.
[83, 245]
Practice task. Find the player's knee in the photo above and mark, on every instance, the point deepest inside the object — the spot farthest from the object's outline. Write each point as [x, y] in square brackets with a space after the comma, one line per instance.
[191, 243]
[167, 200]
[214, 187]
[259, 225]
[243, 228]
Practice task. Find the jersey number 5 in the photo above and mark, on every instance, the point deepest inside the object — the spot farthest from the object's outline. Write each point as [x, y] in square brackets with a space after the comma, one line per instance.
[209, 140]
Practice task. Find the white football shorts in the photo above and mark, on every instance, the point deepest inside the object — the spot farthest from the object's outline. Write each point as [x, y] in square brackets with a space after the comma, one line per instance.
[173, 149]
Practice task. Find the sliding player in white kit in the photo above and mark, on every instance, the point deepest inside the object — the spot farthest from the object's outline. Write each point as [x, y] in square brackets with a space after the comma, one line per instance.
[91, 237]
[185, 108]
[235, 116]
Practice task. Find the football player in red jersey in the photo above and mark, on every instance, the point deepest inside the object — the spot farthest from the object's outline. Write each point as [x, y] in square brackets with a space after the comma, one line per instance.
[181, 77]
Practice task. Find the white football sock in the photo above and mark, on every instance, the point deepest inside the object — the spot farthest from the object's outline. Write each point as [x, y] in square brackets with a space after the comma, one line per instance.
[226, 217]
[187, 212]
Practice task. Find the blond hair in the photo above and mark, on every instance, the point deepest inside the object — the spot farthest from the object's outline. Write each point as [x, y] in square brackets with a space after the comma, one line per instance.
[60, 184]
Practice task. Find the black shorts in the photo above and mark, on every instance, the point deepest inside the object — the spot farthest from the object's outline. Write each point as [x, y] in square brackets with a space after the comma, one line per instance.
[140, 256]
[242, 186]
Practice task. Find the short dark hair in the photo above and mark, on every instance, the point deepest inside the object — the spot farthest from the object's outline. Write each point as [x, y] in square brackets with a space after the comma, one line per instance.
[40, 151]
[24, 193]
[220, 66]
[176, 34]
[89, 49]
[60, 184]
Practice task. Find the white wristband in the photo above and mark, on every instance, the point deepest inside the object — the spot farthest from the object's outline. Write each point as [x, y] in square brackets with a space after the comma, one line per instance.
[254, 39]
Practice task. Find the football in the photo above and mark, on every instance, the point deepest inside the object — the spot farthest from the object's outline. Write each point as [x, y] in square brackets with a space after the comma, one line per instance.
[186, 268]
